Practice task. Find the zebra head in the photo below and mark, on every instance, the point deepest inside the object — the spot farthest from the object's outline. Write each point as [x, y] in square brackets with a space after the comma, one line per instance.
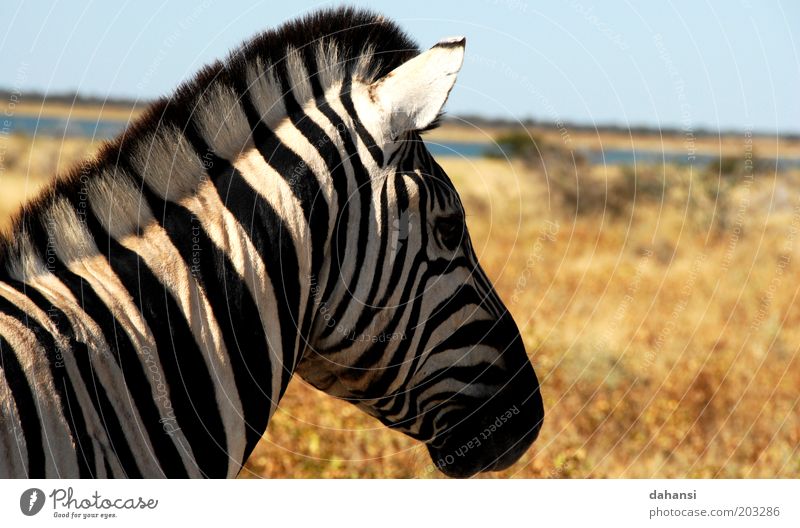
[407, 325]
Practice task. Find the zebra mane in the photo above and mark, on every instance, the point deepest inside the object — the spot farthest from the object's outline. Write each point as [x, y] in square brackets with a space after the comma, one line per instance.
[300, 57]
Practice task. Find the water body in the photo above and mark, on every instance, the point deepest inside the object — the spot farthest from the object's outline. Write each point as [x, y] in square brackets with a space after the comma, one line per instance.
[608, 156]
[658, 157]
[61, 126]
[108, 128]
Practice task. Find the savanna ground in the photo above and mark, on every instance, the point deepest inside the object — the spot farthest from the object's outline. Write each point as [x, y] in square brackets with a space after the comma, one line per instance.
[658, 304]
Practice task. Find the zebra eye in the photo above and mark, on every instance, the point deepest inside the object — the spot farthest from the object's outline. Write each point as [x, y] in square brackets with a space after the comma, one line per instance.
[450, 230]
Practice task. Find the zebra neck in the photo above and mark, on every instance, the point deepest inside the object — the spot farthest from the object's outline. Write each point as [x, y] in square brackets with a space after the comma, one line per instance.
[213, 285]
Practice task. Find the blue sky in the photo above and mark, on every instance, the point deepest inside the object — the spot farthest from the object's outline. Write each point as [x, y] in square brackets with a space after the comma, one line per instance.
[694, 64]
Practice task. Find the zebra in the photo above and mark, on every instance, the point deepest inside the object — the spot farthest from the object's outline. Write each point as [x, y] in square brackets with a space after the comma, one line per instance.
[277, 215]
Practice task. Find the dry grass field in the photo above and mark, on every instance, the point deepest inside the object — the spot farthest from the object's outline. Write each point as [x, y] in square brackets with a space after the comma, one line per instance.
[659, 305]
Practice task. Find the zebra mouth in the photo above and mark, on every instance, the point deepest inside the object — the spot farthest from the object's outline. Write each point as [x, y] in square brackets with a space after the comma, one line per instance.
[493, 441]
[495, 435]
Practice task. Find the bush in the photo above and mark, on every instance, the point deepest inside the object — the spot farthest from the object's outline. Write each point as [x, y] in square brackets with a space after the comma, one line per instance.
[516, 145]
[726, 165]
[613, 192]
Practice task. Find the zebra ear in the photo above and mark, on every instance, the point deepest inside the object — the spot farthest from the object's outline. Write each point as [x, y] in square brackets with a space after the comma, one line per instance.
[413, 94]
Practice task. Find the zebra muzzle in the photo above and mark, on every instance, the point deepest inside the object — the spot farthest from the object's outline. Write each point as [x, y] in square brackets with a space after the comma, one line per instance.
[497, 434]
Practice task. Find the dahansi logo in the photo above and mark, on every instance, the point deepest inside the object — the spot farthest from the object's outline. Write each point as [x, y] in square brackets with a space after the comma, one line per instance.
[31, 501]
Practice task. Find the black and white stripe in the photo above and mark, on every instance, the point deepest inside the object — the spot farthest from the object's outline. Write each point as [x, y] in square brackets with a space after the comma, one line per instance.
[277, 215]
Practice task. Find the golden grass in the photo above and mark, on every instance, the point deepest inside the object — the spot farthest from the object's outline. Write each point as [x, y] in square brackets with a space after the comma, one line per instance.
[727, 145]
[665, 334]
[111, 111]
[27, 164]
